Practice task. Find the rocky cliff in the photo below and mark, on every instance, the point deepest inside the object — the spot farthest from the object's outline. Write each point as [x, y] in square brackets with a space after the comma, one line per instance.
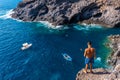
[100, 74]
[114, 61]
[114, 58]
[59, 12]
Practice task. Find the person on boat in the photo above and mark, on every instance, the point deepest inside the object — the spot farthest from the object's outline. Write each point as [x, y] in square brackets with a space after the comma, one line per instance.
[67, 57]
[25, 45]
[89, 55]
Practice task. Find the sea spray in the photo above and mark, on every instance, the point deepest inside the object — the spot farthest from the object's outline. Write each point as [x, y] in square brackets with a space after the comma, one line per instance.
[50, 25]
[87, 27]
[7, 14]
[97, 61]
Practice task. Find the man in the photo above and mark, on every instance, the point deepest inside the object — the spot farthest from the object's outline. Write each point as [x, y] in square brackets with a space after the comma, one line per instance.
[89, 57]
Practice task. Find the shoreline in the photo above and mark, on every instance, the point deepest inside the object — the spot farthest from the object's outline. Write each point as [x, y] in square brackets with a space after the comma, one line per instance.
[9, 13]
[115, 46]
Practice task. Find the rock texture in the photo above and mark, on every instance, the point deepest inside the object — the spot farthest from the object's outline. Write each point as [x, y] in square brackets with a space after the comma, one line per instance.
[59, 12]
[114, 58]
[114, 61]
[100, 74]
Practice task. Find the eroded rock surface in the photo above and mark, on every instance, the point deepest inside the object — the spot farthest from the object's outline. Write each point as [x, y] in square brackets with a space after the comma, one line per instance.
[59, 12]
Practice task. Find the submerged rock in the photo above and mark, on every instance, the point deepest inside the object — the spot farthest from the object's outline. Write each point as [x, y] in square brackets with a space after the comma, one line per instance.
[59, 12]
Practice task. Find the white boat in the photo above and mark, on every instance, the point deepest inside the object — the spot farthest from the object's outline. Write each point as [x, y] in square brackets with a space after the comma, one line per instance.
[67, 57]
[26, 46]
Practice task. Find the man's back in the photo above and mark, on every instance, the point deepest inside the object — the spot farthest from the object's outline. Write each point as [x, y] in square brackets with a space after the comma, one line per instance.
[89, 52]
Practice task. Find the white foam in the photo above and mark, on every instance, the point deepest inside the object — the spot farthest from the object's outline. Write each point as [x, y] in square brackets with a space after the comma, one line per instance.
[87, 27]
[46, 23]
[91, 25]
[49, 25]
[7, 14]
[81, 28]
[98, 59]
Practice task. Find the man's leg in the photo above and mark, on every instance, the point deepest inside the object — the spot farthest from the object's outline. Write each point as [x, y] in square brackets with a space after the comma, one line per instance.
[91, 68]
[86, 67]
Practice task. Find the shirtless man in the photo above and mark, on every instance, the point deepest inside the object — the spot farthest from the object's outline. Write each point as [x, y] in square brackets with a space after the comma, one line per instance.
[89, 57]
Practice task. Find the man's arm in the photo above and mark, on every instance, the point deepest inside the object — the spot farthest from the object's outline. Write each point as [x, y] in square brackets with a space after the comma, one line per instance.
[85, 53]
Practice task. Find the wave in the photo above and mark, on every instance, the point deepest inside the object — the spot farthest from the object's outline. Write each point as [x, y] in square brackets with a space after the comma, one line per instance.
[50, 25]
[87, 27]
[98, 59]
[7, 14]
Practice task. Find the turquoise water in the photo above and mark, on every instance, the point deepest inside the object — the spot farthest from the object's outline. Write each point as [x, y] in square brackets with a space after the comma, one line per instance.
[44, 60]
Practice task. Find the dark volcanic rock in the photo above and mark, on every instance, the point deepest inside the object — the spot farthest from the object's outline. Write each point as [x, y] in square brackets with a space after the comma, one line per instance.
[61, 12]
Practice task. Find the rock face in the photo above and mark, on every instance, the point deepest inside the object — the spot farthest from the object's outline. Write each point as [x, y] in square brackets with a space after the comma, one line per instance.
[114, 60]
[61, 12]
[99, 74]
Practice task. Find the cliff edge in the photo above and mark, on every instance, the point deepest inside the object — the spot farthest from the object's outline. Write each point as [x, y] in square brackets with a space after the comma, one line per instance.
[100, 74]
[60, 12]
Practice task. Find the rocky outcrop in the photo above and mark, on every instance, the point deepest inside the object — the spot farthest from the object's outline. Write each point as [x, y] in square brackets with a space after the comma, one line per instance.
[59, 12]
[114, 61]
[100, 74]
[115, 74]
[114, 58]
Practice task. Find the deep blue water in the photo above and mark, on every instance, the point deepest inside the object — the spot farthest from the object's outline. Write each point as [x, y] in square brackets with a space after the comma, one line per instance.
[43, 61]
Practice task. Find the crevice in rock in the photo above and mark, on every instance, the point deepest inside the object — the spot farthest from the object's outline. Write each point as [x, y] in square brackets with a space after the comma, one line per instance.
[117, 8]
[117, 25]
[44, 10]
[89, 10]
[97, 15]
[75, 18]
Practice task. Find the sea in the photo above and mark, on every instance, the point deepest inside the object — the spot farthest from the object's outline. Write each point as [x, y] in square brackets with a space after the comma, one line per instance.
[44, 59]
